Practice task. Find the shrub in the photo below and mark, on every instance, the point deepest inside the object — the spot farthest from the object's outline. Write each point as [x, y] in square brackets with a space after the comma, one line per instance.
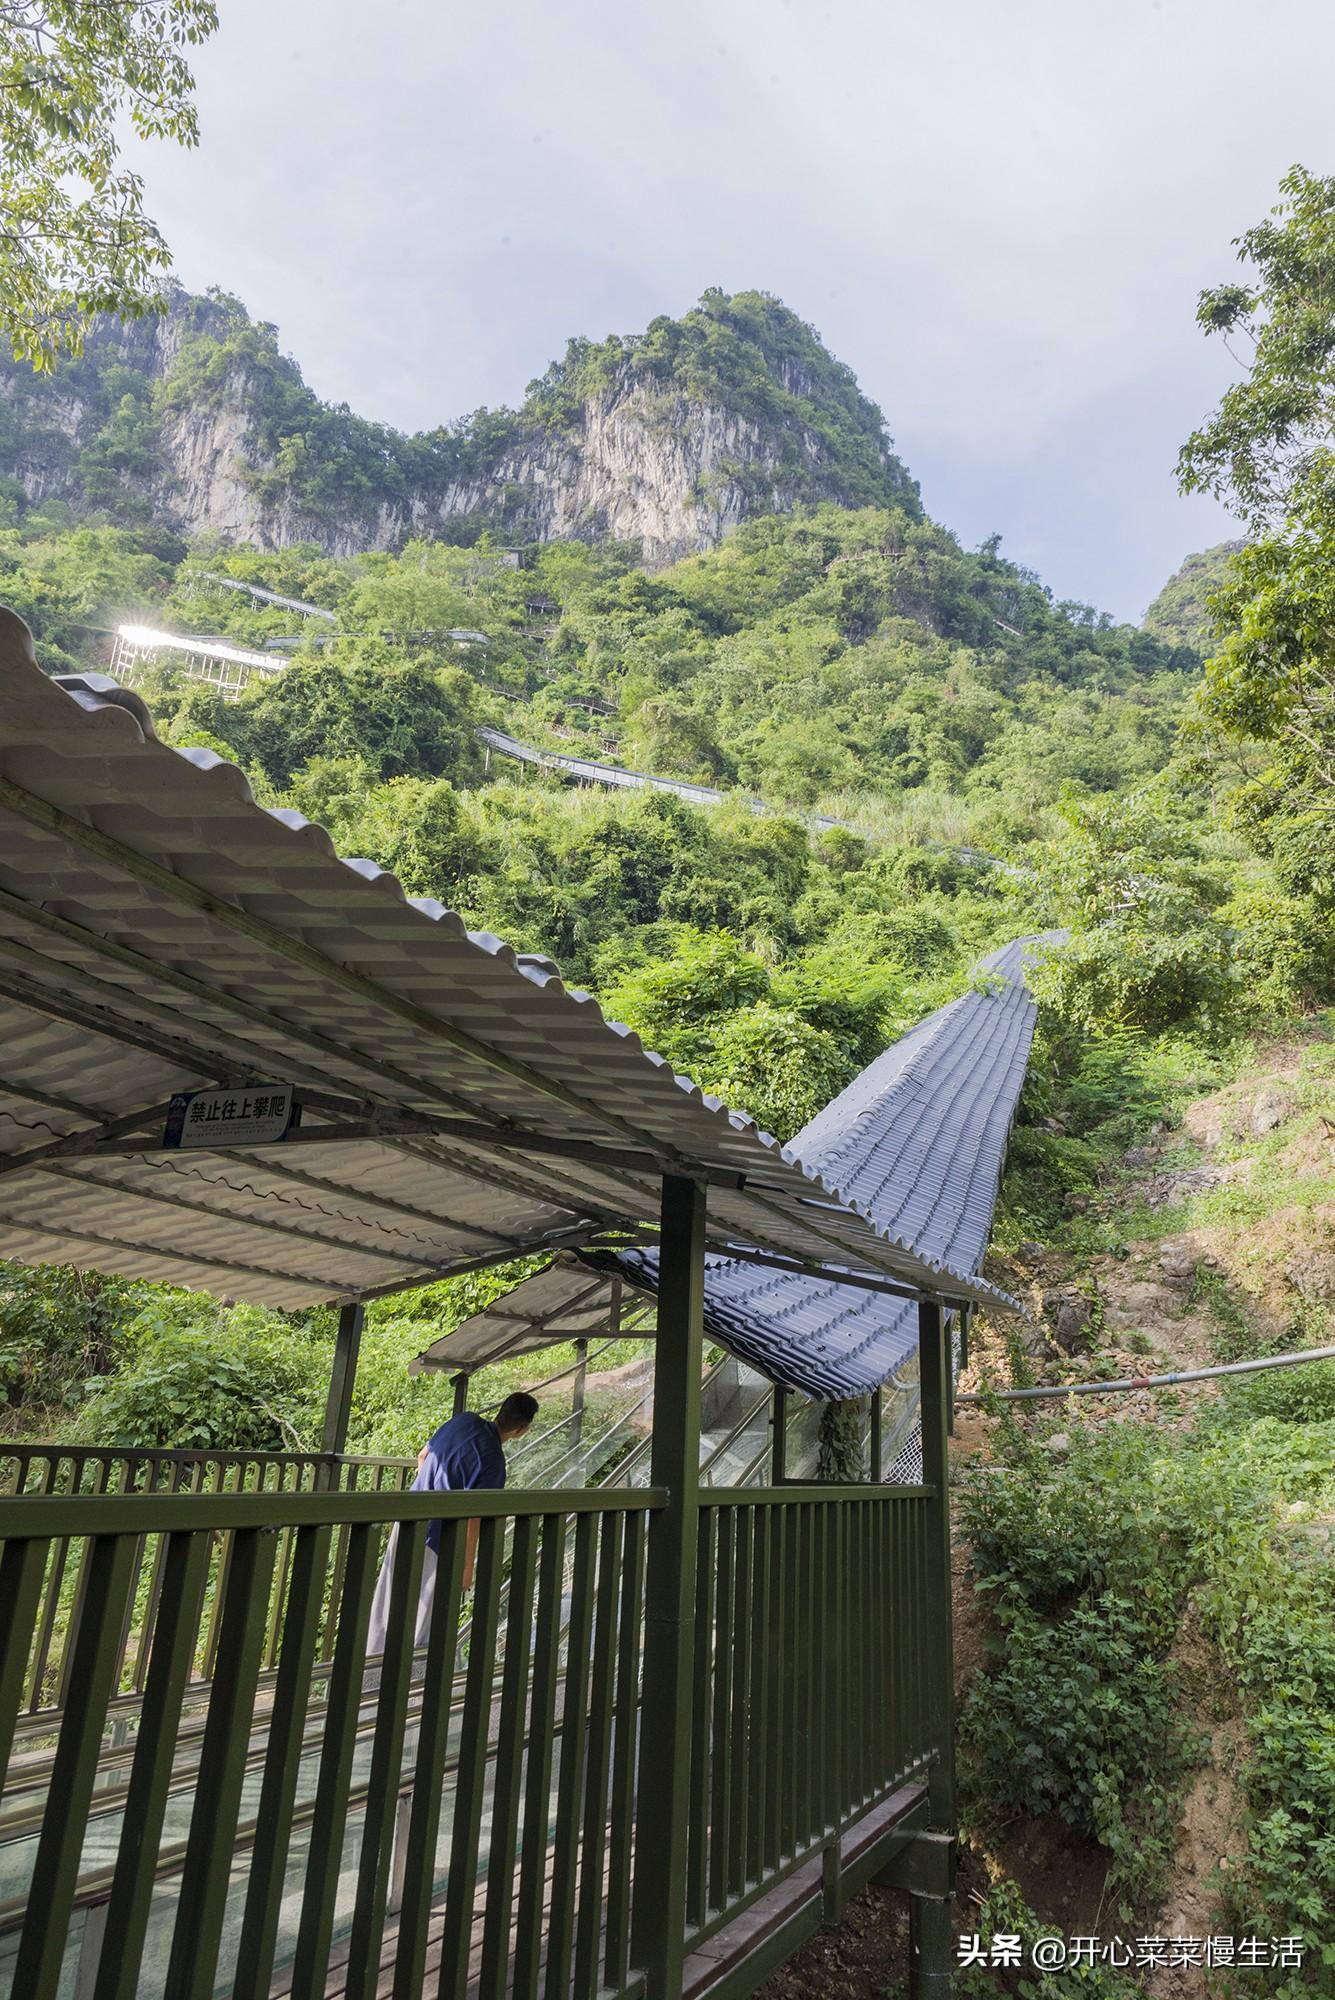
[1004, 1912]
[1293, 1395]
[1041, 1169]
[1087, 1565]
[58, 1327]
[201, 1376]
[1080, 1718]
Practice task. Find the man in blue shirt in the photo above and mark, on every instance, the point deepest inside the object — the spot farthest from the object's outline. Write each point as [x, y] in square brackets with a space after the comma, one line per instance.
[464, 1454]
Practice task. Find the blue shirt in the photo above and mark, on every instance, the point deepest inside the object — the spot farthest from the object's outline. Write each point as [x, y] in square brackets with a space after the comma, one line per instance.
[464, 1453]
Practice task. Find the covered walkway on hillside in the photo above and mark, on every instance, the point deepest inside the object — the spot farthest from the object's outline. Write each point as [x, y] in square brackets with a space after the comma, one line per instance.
[236, 1062]
[919, 1136]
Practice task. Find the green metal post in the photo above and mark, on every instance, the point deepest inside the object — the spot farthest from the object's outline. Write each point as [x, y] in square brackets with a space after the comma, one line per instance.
[338, 1407]
[663, 1790]
[459, 1384]
[877, 1467]
[930, 1934]
[577, 1393]
[931, 1940]
[779, 1424]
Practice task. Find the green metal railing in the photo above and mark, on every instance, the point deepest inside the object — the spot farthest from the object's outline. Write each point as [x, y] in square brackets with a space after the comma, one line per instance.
[810, 1697]
[448, 1823]
[465, 1815]
[43, 1470]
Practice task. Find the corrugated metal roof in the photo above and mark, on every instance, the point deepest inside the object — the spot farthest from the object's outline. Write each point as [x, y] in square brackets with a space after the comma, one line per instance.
[919, 1139]
[567, 1301]
[160, 931]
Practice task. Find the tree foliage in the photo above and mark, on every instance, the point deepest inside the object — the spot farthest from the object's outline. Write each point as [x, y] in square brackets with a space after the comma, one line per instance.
[748, 354]
[779, 1044]
[400, 717]
[1180, 615]
[1147, 948]
[1270, 686]
[76, 241]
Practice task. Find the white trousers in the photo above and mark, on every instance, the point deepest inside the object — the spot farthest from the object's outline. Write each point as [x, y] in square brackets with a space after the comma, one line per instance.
[378, 1630]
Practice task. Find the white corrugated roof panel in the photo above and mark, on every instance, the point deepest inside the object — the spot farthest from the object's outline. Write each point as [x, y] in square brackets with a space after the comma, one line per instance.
[567, 1301]
[920, 1136]
[161, 931]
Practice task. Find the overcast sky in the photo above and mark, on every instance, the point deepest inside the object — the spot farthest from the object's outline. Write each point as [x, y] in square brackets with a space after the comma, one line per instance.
[999, 215]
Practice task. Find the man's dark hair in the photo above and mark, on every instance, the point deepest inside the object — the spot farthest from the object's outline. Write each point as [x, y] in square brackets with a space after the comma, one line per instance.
[517, 1412]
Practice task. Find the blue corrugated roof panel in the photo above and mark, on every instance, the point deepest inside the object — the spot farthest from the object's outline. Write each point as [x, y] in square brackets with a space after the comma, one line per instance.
[919, 1138]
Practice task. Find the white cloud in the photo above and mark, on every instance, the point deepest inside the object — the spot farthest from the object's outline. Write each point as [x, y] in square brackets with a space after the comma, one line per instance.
[999, 216]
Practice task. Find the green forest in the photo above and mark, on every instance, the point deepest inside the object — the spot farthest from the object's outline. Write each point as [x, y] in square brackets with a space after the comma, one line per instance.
[998, 762]
[746, 354]
[923, 754]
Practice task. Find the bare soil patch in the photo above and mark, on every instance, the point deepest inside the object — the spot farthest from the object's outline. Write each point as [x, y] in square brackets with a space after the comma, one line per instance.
[1210, 1829]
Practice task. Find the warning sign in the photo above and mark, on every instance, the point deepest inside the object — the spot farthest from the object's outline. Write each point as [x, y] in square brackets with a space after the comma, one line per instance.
[257, 1115]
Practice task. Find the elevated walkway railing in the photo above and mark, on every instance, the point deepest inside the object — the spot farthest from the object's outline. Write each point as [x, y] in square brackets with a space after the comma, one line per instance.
[466, 1813]
[75, 1468]
[36, 1471]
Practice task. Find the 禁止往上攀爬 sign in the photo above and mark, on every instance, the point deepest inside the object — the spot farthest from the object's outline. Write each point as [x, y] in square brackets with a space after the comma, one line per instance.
[251, 1115]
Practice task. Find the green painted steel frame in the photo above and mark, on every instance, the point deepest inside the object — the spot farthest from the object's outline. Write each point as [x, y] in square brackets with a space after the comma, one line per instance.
[663, 1790]
[796, 1659]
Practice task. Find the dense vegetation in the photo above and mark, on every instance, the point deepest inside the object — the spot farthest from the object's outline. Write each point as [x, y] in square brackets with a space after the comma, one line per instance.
[1180, 615]
[98, 439]
[935, 701]
[922, 755]
[752, 356]
[1156, 1575]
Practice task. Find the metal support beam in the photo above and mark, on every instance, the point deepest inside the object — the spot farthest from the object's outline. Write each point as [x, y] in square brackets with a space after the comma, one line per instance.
[931, 1948]
[930, 1951]
[877, 1432]
[386, 1125]
[779, 1439]
[923, 1866]
[663, 1790]
[577, 1391]
[100, 1139]
[950, 1379]
[459, 1384]
[337, 1409]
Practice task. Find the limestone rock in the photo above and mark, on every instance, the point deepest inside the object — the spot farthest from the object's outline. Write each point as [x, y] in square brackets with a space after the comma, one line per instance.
[635, 461]
[1178, 1261]
[1073, 1326]
[1166, 1190]
[1139, 1305]
[1204, 1122]
[1071, 1313]
[1270, 1109]
[1311, 1272]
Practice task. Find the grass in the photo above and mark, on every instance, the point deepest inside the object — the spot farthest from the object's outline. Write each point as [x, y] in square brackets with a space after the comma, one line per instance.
[1091, 1562]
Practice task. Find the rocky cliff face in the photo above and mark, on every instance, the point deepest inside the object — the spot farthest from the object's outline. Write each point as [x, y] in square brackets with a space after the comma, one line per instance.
[670, 473]
[196, 420]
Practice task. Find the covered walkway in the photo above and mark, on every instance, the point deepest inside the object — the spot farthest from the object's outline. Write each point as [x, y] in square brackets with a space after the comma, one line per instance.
[919, 1137]
[236, 1062]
